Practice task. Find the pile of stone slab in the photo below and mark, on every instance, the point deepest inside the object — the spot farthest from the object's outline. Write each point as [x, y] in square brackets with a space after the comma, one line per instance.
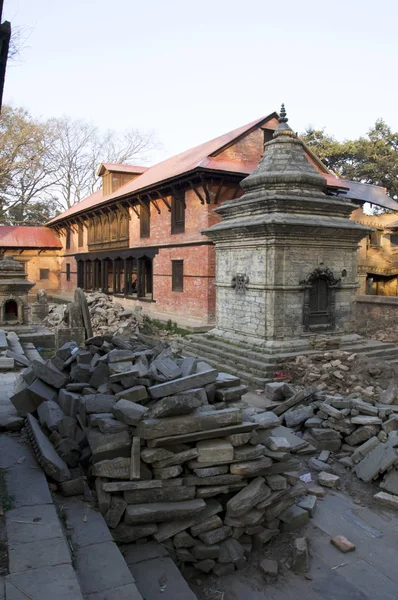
[168, 444]
[362, 433]
[340, 372]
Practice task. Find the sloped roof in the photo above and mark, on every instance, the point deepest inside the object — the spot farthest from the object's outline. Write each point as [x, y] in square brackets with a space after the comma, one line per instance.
[28, 237]
[121, 168]
[199, 156]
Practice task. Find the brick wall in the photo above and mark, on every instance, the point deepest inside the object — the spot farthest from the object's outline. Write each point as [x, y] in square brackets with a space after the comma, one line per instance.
[375, 313]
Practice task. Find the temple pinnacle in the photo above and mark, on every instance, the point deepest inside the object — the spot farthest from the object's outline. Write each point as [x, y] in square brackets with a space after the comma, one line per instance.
[282, 115]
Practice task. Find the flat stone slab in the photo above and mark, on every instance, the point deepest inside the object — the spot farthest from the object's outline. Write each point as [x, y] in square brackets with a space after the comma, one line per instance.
[376, 462]
[390, 482]
[39, 554]
[49, 583]
[148, 574]
[156, 428]
[125, 592]
[163, 511]
[184, 383]
[180, 404]
[101, 567]
[87, 527]
[202, 435]
[46, 455]
[32, 524]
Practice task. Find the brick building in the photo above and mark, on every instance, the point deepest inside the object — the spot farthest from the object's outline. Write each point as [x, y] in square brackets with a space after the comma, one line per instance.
[139, 237]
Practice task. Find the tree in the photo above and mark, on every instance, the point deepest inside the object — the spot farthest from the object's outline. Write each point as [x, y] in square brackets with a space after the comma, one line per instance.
[47, 166]
[80, 148]
[372, 159]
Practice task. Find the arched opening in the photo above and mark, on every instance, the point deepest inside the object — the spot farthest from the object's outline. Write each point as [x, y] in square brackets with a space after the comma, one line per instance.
[11, 311]
[319, 303]
[319, 300]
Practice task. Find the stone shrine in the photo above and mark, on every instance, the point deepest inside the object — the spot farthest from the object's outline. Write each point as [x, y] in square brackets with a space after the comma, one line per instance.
[286, 266]
[14, 288]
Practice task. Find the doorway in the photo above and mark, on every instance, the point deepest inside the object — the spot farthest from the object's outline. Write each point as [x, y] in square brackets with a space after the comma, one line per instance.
[11, 311]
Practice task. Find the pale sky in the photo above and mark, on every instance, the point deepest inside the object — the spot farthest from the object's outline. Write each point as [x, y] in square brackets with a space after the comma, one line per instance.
[195, 70]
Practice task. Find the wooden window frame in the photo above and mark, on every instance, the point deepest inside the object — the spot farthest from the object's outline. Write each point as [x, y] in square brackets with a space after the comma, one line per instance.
[67, 271]
[67, 240]
[43, 272]
[177, 278]
[178, 219]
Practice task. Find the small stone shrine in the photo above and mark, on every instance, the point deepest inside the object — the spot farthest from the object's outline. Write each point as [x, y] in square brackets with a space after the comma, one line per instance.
[14, 288]
[286, 254]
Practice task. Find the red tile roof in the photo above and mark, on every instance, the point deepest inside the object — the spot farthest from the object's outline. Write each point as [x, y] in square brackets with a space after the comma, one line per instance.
[199, 156]
[28, 237]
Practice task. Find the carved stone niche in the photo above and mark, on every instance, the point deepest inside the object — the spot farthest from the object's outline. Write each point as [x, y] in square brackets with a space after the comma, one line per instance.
[239, 282]
[14, 288]
[319, 310]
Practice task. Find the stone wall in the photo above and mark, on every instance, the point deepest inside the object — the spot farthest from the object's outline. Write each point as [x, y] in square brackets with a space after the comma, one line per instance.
[375, 313]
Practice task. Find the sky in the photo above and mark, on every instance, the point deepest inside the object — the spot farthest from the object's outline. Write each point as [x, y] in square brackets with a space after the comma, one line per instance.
[191, 71]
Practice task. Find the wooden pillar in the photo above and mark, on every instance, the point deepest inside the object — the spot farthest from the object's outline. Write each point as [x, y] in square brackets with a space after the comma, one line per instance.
[85, 274]
[125, 276]
[95, 274]
[140, 291]
[114, 277]
[106, 269]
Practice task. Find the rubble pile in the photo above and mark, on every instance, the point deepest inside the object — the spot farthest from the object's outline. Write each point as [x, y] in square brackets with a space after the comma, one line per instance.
[362, 432]
[168, 444]
[107, 317]
[339, 372]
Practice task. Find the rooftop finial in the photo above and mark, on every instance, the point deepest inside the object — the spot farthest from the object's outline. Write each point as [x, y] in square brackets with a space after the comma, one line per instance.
[282, 115]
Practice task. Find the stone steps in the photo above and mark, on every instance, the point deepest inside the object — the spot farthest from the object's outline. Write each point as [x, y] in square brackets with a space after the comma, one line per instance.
[255, 368]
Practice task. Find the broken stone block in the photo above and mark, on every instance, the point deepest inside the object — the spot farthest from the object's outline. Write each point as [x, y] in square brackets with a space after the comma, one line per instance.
[361, 435]
[215, 536]
[230, 394]
[208, 524]
[163, 511]
[318, 465]
[381, 458]
[183, 540]
[276, 482]
[238, 439]
[106, 423]
[103, 498]
[105, 446]
[269, 567]
[212, 471]
[297, 416]
[188, 366]
[99, 403]
[115, 512]
[99, 375]
[251, 468]
[366, 420]
[266, 420]
[46, 455]
[168, 472]
[151, 455]
[328, 480]
[180, 404]
[391, 424]
[231, 551]
[316, 490]
[177, 459]
[220, 449]
[277, 444]
[364, 449]
[135, 459]
[80, 373]
[295, 442]
[67, 427]
[206, 551]
[49, 374]
[205, 565]
[128, 412]
[73, 487]
[126, 534]
[341, 542]
[308, 503]
[50, 414]
[69, 451]
[390, 482]
[248, 452]
[300, 556]
[277, 391]
[117, 468]
[293, 518]
[389, 395]
[137, 393]
[150, 429]
[184, 383]
[119, 367]
[68, 402]
[254, 493]
[263, 537]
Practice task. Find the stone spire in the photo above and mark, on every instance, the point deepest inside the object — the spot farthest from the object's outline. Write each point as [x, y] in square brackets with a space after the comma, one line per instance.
[284, 165]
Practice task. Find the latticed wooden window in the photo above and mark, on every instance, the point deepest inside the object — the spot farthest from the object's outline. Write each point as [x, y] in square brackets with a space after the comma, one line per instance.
[80, 235]
[178, 212]
[319, 296]
[145, 221]
[177, 275]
